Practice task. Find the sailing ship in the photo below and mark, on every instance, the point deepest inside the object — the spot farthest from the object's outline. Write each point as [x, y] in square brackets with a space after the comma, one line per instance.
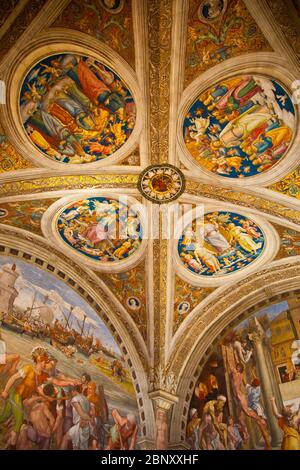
[39, 321]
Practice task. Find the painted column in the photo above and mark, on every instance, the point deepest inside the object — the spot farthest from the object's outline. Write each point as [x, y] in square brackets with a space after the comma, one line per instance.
[258, 337]
[294, 315]
[8, 293]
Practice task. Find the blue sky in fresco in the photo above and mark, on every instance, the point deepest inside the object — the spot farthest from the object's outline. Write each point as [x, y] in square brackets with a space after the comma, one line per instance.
[272, 311]
[35, 281]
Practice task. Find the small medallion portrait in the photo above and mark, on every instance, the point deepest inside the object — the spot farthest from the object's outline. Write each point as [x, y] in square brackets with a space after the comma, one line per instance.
[183, 307]
[211, 10]
[133, 303]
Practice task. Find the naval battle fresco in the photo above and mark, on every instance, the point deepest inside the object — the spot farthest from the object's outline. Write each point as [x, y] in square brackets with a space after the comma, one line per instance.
[76, 110]
[240, 127]
[220, 243]
[63, 379]
[248, 394]
[103, 229]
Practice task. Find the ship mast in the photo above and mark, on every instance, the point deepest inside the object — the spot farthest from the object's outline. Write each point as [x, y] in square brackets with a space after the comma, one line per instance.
[69, 316]
[32, 305]
[83, 324]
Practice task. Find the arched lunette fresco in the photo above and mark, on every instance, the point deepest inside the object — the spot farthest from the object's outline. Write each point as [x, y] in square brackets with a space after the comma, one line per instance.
[36, 256]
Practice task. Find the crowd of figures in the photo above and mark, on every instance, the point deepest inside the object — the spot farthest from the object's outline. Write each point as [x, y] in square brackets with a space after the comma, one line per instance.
[240, 127]
[42, 408]
[101, 228]
[75, 109]
[221, 243]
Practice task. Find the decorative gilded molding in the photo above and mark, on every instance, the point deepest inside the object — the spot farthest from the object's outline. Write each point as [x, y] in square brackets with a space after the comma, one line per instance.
[289, 185]
[160, 31]
[35, 17]
[10, 159]
[284, 17]
[55, 183]
[130, 286]
[243, 199]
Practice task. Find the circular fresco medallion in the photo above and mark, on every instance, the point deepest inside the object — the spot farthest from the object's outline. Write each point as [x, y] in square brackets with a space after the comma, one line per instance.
[113, 6]
[183, 307]
[220, 243]
[75, 109]
[240, 127]
[101, 228]
[161, 183]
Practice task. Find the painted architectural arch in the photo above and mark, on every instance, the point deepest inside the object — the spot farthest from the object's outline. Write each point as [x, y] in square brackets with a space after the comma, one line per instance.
[52, 336]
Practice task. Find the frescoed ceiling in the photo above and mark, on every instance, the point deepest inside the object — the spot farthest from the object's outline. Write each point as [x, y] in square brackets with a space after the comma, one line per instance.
[205, 92]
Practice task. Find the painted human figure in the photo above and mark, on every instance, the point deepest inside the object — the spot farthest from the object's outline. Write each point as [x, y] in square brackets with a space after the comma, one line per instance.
[21, 386]
[41, 421]
[212, 428]
[240, 235]
[242, 407]
[234, 437]
[254, 397]
[192, 430]
[288, 422]
[80, 431]
[207, 257]
[241, 351]
[161, 433]
[96, 89]
[212, 235]
[190, 261]
[250, 229]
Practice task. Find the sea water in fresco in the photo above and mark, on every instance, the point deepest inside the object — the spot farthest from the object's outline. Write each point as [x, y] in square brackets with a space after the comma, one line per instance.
[75, 109]
[248, 394]
[220, 243]
[55, 351]
[101, 228]
[240, 127]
